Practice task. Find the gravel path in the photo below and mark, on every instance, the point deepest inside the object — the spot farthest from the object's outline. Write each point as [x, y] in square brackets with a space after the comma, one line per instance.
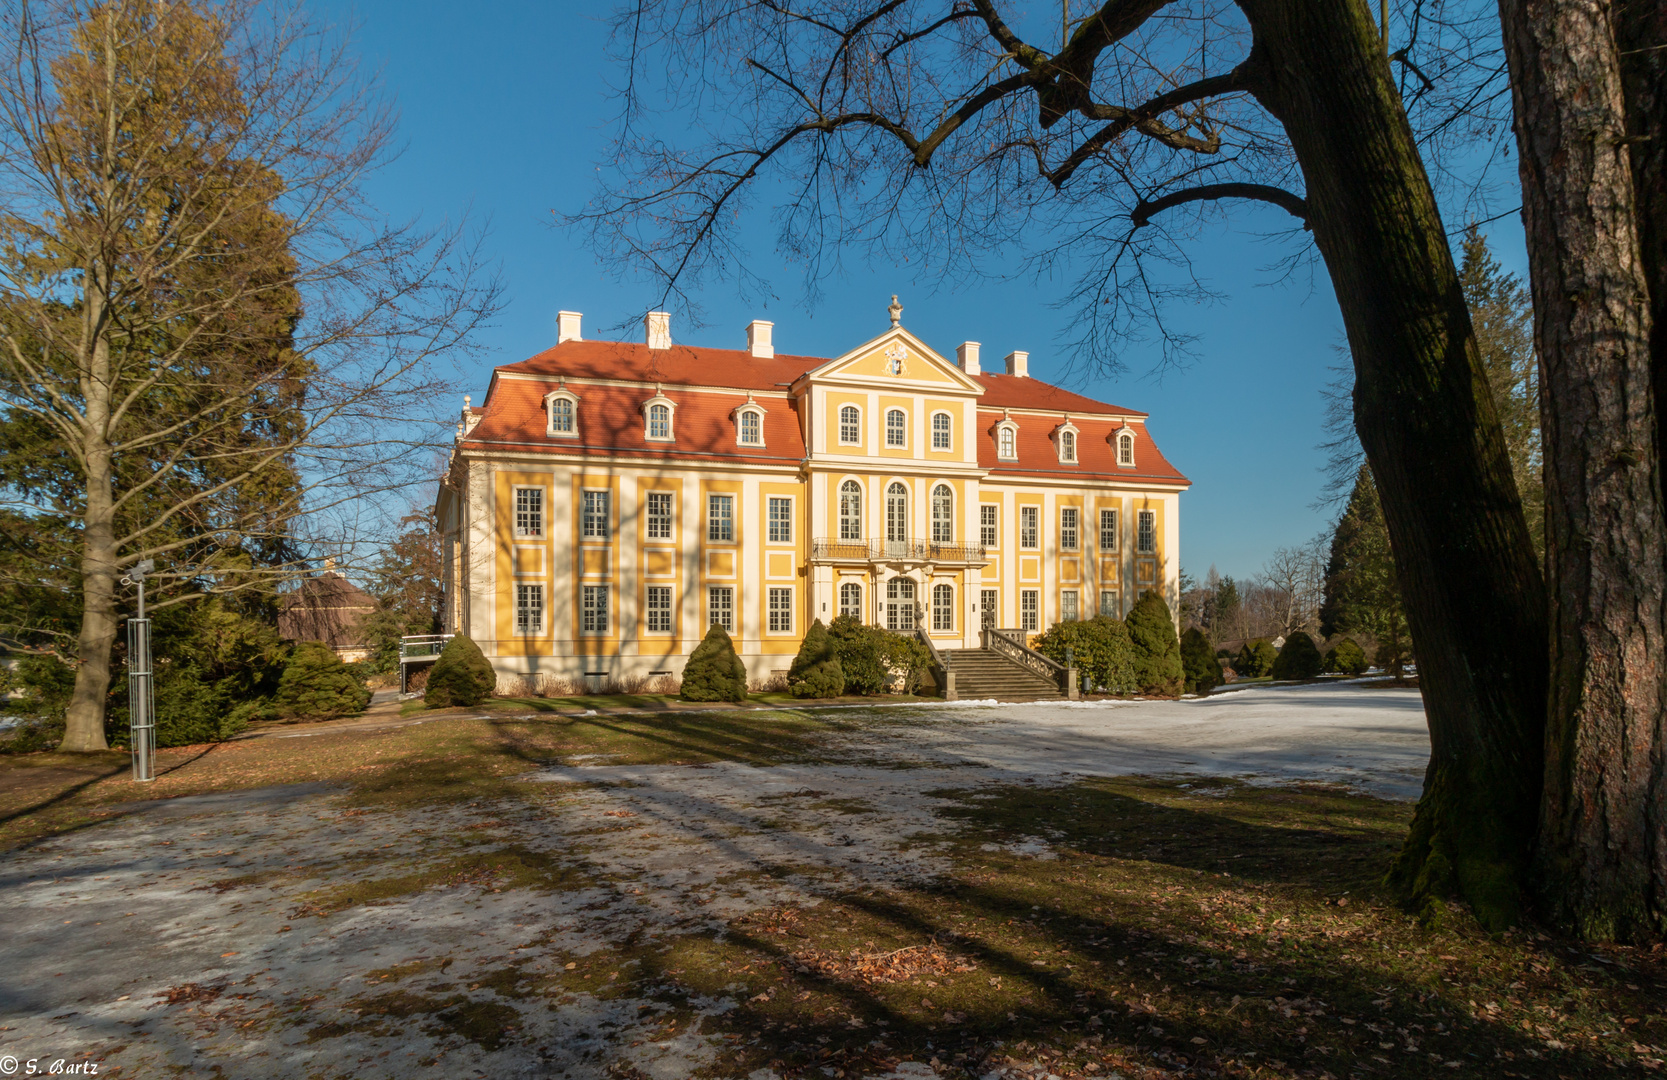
[180, 937]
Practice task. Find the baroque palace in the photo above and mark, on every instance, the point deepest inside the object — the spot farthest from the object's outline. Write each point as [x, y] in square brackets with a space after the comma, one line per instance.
[609, 501]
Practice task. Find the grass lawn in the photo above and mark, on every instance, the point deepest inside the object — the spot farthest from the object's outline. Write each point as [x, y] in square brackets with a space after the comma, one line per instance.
[665, 702]
[1144, 927]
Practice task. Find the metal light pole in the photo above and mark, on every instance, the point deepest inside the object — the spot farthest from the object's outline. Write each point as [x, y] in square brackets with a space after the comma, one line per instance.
[141, 705]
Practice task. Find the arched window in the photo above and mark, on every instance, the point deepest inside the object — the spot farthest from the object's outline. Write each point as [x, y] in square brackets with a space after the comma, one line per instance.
[1067, 446]
[897, 513]
[1007, 444]
[943, 607]
[940, 431]
[1125, 449]
[943, 514]
[850, 425]
[850, 510]
[850, 600]
[897, 428]
[659, 421]
[561, 416]
[752, 429]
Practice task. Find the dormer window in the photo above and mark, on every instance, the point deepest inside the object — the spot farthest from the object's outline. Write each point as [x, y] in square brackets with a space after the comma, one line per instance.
[1007, 441]
[749, 423]
[657, 413]
[1125, 448]
[1065, 442]
[561, 409]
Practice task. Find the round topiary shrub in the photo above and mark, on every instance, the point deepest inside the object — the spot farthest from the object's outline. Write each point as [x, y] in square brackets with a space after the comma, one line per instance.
[1199, 668]
[714, 672]
[461, 677]
[316, 685]
[1299, 659]
[1255, 659]
[1157, 651]
[857, 649]
[816, 672]
[1346, 658]
[1100, 649]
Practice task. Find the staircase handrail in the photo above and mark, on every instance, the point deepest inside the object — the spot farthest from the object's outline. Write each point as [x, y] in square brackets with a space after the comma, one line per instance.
[939, 668]
[999, 641]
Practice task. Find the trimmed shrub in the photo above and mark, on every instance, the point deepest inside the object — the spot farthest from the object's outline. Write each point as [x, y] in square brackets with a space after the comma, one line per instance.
[1199, 669]
[1100, 647]
[1299, 659]
[1346, 658]
[316, 685]
[1255, 659]
[1157, 651]
[461, 677]
[714, 672]
[859, 656]
[816, 672]
[903, 657]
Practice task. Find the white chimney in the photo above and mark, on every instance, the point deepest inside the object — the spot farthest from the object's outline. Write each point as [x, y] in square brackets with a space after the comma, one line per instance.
[758, 339]
[1018, 363]
[657, 324]
[567, 326]
[966, 354]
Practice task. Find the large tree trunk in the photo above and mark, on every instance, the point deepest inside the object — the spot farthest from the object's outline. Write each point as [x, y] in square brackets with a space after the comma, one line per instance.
[84, 721]
[1602, 856]
[1473, 595]
[1640, 33]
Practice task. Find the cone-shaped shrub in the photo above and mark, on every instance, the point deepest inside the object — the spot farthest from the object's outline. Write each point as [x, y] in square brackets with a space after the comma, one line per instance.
[316, 685]
[1157, 651]
[816, 672]
[461, 677]
[1198, 663]
[1346, 658]
[1299, 659]
[1255, 659]
[714, 672]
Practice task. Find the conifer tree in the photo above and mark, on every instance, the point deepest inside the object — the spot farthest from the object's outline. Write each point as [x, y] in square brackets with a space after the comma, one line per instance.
[1198, 663]
[714, 672]
[1157, 651]
[316, 685]
[815, 672]
[462, 676]
[1299, 659]
[1362, 593]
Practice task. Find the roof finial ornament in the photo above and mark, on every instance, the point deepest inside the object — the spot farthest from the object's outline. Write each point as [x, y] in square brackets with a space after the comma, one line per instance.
[896, 310]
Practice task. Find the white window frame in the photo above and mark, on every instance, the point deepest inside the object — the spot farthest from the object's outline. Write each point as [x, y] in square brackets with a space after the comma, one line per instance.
[946, 431]
[783, 535]
[1108, 603]
[1146, 536]
[1070, 528]
[850, 497]
[1125, 448]
[590, 519]
[572, 403]
[529, 519]
[659, 526]
[529, 608]
[720, 528]
[855, 427]
[653, 416]
[943, 514]
[594, 605]
[989, 603]
[850, 599]
[1030, 610]
[989, 524]
[943, 608]
[720, 607]
[778, 602]
[1070, 605]
[1007, 441]
[1068, 447]
[1030, 528]
[754, 414]
[1108, 531]
[901, 432]
[657, 609]
[897, 493]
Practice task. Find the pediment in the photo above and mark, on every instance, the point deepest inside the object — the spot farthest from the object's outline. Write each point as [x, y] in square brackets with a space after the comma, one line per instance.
[895, 358]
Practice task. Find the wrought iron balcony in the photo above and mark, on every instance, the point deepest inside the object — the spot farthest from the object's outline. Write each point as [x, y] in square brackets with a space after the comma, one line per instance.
[825, 550]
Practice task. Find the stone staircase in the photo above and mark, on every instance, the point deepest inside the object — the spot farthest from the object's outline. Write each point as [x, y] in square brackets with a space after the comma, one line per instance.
[985, 673]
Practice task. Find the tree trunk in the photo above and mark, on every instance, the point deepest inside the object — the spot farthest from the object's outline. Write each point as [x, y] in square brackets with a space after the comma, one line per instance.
[84, 722]
[1640, 32]
[1602, 855]
[1473, 596]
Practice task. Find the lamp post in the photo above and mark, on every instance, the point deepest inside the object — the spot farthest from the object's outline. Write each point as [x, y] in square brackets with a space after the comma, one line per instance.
[141, 704]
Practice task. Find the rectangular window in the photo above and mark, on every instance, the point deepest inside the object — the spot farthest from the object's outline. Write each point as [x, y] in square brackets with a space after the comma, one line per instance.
[529, 512]
[781, 611]
[751, 432]
[529, 609]
[720, 607]
[1147, 543]
[1029, 609]
[659, 515]
[1068, 610]
[987, 522]
[850, 600]
[940, 431]
[594, 519]
[1108, 603]
[1068, 528]
[850, 425]
[593, 609]
[1108, 530]
[896, 428]
[989, 607]
[659, 609]
[943, 607]
[720, 517]
[780, 514]
[1028, 529]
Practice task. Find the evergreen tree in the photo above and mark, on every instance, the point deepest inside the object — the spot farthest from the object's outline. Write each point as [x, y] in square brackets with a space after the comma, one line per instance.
[1299, 659]
[316, 685]
[815, 672]
[407, 583]
[1200, 670]
[1255, 659]
[1157, 651]
[1346, 658]
[1363, 595]
[858, 654]
[714, 672]
[1226, 614]
[462, 676]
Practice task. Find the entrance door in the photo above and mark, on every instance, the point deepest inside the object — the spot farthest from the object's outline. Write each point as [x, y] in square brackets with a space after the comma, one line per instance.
[900, 604]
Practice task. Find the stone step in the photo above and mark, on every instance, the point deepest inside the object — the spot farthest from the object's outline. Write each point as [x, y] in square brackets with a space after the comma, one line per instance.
[984, 673]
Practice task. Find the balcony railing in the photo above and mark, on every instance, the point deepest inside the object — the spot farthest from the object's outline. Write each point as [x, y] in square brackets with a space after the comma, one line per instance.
[882, 551]
[418, 647]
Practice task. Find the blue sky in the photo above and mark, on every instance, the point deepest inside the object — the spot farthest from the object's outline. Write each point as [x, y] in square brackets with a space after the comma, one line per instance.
[505, 113]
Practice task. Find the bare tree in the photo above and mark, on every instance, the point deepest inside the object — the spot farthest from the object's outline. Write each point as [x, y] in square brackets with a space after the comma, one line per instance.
[223, 345]
[1295, 578]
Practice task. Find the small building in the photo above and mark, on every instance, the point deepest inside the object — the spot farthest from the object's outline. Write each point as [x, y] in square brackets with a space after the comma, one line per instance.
[331, 609]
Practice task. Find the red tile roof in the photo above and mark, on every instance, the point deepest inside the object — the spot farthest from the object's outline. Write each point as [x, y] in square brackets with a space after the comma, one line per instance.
[679, 365]
[1096, 453]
